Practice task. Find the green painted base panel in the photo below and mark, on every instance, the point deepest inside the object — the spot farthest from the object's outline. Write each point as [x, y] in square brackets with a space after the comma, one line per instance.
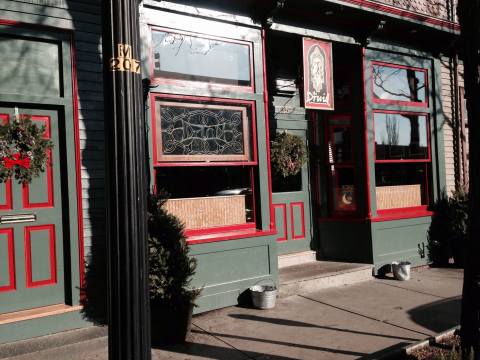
[42, 326]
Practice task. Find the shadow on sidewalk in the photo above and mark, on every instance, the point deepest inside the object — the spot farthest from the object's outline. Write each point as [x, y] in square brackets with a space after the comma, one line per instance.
[287, 322]
[439, 315]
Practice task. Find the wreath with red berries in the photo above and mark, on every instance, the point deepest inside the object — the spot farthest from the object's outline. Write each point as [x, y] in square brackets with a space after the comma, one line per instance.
[24, 150]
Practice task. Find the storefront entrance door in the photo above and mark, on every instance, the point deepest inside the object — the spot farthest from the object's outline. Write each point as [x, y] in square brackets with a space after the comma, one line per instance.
[32, 228]
[291, 201]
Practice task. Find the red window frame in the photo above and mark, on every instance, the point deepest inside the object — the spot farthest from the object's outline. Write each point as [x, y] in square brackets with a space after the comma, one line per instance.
[413, 211]
[424, 104]
[197, 84]
[253, 130]
[217, 233]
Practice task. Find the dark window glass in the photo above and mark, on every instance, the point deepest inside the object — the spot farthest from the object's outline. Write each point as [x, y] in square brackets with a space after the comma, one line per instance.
[286, 184]
[400, 136]
[188, 57]
[201, 131]
[398, 84]
[38, 63]
[401, 185]
[343, 188]
[221, 195]
[342, 145]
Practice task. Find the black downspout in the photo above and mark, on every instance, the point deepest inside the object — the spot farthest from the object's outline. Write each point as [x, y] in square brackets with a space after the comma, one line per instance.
[128, 304]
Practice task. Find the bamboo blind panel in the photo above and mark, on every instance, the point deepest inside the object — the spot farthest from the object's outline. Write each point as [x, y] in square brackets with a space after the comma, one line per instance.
[390, 197]
[206, 212]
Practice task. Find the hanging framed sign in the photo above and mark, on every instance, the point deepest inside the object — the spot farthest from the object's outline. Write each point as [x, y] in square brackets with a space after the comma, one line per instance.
[317, 74]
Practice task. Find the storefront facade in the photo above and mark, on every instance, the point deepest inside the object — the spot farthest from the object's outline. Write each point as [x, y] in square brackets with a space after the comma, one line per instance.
[221, 82]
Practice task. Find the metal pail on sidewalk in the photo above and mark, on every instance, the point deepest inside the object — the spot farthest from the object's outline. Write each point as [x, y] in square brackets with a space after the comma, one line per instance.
[401, 270]
[263, 296]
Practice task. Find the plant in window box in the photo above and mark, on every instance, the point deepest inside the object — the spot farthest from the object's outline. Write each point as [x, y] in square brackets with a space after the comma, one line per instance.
[288, 154]
[170, 274]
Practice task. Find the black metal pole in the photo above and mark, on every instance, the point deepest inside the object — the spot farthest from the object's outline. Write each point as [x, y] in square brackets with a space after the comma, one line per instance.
[128, 307]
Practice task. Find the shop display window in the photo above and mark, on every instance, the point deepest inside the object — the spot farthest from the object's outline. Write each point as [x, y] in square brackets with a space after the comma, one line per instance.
[209, 197]
[191, 57]
[341, 169]
[402, 160]
[399, 84]
[205, 158]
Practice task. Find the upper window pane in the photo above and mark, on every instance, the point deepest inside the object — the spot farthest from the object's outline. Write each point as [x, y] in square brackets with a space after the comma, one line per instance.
[38, 62]
[397, 84]
[400, 136]
[195, 58]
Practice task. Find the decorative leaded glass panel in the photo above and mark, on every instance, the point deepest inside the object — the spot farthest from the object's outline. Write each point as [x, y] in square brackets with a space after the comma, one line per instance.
[188, 131]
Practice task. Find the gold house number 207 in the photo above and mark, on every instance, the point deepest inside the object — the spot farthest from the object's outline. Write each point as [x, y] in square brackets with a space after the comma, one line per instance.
[124, 60]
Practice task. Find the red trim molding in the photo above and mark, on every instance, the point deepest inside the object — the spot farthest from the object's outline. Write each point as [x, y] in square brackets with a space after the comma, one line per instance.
[267, 131]
[30, 283]
[228, 235]
[11, 261]
[410, 15]
[283, 208]
[49, 172]
[292, 220]
[402, 213]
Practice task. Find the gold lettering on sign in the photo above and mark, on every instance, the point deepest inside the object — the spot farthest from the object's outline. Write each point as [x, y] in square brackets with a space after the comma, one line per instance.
[124, 60]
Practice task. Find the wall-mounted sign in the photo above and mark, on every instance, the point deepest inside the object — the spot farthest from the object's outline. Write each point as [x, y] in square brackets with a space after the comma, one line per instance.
[317, 74]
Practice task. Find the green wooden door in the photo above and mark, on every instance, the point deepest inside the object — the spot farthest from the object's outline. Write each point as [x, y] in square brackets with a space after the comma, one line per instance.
[31, 245]
[291, 202]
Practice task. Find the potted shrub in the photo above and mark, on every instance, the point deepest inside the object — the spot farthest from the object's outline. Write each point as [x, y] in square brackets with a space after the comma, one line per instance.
[459, 220]
[448, 231]
[171, 270]
[439, 249]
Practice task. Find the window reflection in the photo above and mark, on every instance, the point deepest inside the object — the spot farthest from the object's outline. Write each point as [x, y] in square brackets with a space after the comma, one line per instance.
[400, 136]
[398, 84]
[187, 57]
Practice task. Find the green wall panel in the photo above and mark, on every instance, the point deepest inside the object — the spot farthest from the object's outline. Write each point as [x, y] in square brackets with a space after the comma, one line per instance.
[231, 265]
[349, 242]
[42, 326]
[399, 240]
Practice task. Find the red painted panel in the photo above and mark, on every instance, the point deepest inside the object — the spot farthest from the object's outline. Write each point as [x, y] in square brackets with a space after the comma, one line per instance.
[27, 204]
[8, 185]
[8, 205]
[292, 218]
[284, 213]
[11, 261]
[28, 256]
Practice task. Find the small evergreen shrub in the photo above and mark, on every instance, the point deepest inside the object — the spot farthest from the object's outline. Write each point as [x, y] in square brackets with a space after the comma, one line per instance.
[171, 267]
[447, 234]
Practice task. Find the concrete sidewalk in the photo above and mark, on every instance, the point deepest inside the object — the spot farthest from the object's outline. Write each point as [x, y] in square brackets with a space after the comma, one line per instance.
[358, 321]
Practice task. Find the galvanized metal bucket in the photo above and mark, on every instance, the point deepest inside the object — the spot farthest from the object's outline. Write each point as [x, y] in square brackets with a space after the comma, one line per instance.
[401, 270]
[264, 296]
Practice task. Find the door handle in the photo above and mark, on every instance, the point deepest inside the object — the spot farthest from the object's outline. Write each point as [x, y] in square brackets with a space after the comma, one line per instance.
[17, 218]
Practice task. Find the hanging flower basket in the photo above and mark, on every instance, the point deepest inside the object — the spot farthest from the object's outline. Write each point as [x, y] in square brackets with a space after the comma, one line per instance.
[288, 154]
[23, 150]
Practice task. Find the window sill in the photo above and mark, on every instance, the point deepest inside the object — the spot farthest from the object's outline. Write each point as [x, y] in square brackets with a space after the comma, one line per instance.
[402, 213]
[227, 235]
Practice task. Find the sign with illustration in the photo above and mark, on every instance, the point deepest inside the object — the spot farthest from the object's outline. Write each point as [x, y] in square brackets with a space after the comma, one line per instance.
[317, 74]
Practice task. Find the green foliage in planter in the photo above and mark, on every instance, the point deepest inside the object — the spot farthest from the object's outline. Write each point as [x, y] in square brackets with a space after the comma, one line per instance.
[288, 154]
[448, 231]
[171, 267]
